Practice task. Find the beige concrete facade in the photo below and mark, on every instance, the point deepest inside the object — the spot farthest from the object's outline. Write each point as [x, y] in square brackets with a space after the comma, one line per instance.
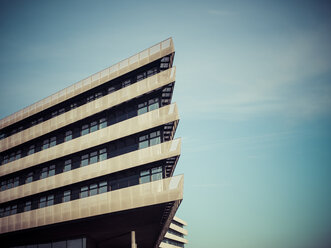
[126, 161]
[138, 60]
[84, 111]
[169, 189]
[134, 125]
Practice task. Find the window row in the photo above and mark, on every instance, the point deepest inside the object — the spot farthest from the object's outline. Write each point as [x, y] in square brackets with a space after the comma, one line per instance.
[173, 242]
[102, 120]
[85, 190]
[114, 148]
[70, 243]
[108, 88]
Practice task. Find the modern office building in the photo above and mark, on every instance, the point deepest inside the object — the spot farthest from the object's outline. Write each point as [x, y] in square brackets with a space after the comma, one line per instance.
[175, 236]
[92, 165]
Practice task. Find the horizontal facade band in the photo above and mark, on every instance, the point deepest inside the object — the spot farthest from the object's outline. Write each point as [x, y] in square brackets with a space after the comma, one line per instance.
[165, 245]
[156, 192]
[125, 128]
[143, 58]
[178, 229]
[126, 161]
[180, 221]
[135, 90]
[176, 238]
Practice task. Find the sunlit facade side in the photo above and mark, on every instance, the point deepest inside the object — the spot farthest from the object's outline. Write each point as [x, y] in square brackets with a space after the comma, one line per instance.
[92, 165]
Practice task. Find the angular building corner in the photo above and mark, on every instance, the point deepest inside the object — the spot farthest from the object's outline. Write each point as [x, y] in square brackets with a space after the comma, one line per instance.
[92, 165]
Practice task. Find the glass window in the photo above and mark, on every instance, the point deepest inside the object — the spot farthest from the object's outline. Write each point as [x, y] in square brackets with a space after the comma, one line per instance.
[126, 83]
[145, 179]
[62, 110]
[102, 154]
[44, 172]
[141, 76]
[143, 144]
[27, 206]
[45, 144]
[85, 129]
[59, 244]
[111, 89]
[102, 123]
[83, 192]
[75, 243]
[29, 177]
[18, 154]
[47, 245]
[13, 209]
[2, 136]
[143, 141]
[31, 149]
[3, 185]
[67, 165]
[53, 142]
[144, 176]
[102, 187]
[155, 141]
[51, 171]
[16, 181]
[7, 211]
[165, 59]
[164, 65]
[98, 95]
[66, 196]
[10, 183]
[151, 72]
[90, 98]
[142, 108]
[84, 160]
[153, 104]
[94, 126]
[50, 200]
[93, 189]
[5, 159]
[54, 113]
[155, 138]
[73, 105]
[42, 202]
[93, 157]
[68, 136]
[12, 157]
[2, 212]
[156, 173]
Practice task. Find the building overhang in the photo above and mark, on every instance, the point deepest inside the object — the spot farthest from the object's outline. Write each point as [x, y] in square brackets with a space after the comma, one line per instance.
[107, 218]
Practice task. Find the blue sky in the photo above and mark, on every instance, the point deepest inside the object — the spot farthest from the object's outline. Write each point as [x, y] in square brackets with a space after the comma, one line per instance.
[253, 89]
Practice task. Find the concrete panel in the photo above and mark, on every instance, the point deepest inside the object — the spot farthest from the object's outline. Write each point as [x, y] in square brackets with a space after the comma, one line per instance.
[134, 125]
[166, 47]
[178, 229]
[161, 191]
[140, 88]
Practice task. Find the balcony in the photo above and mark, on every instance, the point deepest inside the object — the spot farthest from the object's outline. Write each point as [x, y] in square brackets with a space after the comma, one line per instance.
[110, 216]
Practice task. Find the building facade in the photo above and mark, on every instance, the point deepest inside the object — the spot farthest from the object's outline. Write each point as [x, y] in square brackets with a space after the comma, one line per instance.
[175, 236]
[92, 165]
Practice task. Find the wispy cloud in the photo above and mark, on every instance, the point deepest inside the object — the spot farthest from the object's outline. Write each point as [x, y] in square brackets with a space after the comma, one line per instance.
[283, 79]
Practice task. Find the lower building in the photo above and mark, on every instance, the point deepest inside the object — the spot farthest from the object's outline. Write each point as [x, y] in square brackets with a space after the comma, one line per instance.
[175, 236]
